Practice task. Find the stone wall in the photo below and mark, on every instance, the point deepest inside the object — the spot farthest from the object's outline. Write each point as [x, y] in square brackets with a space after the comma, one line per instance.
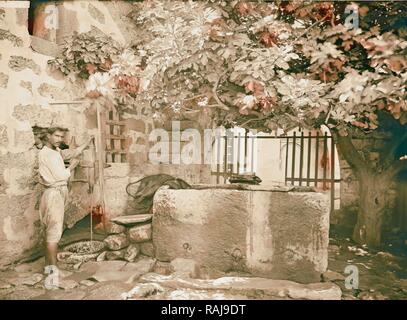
[32, 95]
[27, 91]
[270, 232]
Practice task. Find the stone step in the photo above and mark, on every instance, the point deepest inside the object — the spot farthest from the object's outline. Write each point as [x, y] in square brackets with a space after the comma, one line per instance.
[269, 288]
[140, 233]
[132, 220]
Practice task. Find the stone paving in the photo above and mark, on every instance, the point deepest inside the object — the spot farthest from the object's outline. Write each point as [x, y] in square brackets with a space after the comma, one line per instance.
[382, 275]
[112, 280]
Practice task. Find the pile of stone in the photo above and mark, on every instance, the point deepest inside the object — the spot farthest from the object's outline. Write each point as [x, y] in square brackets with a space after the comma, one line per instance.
[127, 237]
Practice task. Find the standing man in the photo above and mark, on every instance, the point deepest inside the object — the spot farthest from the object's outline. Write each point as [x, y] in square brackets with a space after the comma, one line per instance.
[54, 177]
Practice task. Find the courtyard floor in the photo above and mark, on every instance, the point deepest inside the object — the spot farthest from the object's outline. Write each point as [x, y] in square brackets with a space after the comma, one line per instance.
[382, 276]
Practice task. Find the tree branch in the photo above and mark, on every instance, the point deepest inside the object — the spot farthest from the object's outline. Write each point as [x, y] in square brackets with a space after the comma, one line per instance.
[349, 152]
[215, 94]
[194, 97]
[310, 27]
[251, 120]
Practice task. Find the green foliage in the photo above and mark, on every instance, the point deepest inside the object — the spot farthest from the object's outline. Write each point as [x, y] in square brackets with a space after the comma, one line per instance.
[256, 64]
[86, 53]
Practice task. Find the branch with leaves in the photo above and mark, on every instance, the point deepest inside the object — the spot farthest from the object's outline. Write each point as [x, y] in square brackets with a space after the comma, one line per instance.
[278, 64]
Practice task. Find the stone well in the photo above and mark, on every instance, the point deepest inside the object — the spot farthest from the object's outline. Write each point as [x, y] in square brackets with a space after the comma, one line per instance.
[274, 232]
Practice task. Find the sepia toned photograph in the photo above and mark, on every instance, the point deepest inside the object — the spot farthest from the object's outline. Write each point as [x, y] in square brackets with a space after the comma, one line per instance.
[203, 150]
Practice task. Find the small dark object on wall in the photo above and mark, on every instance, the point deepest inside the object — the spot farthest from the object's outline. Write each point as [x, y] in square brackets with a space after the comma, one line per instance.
[147, 188]
[245, 178]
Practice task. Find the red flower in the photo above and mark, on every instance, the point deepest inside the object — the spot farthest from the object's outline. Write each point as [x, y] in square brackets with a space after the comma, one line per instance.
[268, 39]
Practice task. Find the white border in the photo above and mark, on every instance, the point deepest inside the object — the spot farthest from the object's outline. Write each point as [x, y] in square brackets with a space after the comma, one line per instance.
[15, 4]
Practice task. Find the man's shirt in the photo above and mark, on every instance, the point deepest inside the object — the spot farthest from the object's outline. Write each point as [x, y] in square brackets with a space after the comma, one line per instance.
[51, 166]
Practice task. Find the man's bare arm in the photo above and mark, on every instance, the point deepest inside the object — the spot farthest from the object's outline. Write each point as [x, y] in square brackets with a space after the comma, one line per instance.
[73, 164]
[69, 154]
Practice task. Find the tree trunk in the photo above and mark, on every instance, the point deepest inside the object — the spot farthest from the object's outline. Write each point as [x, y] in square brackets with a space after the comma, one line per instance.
[374, 181]
[373, 202]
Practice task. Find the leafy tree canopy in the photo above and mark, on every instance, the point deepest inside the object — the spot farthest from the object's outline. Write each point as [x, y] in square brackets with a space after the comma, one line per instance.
[258, 64]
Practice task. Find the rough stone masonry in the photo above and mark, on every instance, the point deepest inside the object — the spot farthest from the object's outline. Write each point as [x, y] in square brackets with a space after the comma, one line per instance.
[271, 232]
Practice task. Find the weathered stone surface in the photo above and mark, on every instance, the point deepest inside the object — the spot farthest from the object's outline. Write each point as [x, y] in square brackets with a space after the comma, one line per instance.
[23, 138]
[89, 269]
[366, 295]
[53, 92]
[121, 276]
[111, 228]
[4, 285]
[62, 295]
[26, 85]
[35, 266]
[4, 143]
[33, 280]
[78, 265]
[117, 270]
[102, 256]
[333, 276]
[115, 255]
[92, 266]
[140, 233]
[190, 294]
[66, 266]
[7, 35]
[131, 220]
[132, 252]
[279, 234]
[23, 278]
[143, 265]
[18, 63]
[25, 293]
[277, 289]
[67, 284]
[147, 248]
[62, 273]
[185, 267]
[21, 16]
[107, 271]
[3, 80]
[142, 291]
[87, 283]
[163, 268]
[108, 291]
[45, 47]
[35, 114]
[117, 241]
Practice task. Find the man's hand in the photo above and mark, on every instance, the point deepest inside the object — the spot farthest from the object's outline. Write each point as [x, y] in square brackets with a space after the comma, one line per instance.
[86, 144]
[73, 164]
[90, 141]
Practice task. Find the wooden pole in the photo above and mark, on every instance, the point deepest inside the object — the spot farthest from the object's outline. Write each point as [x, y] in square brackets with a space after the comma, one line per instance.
[100, 157]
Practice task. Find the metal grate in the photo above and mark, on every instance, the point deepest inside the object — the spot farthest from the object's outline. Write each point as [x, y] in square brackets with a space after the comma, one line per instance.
[308, 159]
